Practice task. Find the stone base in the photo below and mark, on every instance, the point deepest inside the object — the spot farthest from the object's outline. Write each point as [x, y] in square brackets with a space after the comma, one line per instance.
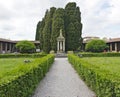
[61, 55]
[60, 52]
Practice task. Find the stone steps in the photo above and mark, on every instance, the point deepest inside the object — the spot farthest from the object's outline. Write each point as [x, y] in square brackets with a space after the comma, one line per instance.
[61, 55]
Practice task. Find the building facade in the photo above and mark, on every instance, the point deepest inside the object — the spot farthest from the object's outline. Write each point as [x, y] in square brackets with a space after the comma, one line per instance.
[8, 46]
[113, 43]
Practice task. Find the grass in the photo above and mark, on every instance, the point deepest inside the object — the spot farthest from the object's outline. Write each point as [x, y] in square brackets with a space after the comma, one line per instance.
[9, 66]
[110, 65]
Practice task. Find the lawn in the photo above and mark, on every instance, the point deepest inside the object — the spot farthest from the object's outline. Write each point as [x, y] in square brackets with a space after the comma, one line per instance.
[108, 65]
[9, 66]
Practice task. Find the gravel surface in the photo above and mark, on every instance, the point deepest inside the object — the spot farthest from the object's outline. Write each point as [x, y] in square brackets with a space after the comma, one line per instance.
[62, 81]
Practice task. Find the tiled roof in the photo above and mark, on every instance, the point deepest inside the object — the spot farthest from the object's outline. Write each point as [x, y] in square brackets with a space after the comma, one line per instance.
[87, 39]
[113, 40]
[7, 40]
[30, 41]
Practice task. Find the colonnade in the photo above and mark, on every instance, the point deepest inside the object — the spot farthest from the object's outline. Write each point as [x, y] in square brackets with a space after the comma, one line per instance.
[61, 46]
[114, 47]
[6, 47]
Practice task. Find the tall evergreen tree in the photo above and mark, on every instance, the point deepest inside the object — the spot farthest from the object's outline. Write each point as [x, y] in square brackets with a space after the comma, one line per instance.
[68, 19]
[58, 23]
[47, 30]
[37, 37]
[73, 26]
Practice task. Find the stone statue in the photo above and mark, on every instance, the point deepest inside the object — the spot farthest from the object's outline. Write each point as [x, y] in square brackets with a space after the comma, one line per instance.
[61, 33]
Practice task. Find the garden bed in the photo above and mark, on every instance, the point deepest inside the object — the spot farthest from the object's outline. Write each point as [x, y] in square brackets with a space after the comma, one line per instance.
[19, 79]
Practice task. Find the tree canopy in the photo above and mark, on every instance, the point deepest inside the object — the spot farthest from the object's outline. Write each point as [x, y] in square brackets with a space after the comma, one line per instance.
[68, 19]
[96, 46]
[25, 46]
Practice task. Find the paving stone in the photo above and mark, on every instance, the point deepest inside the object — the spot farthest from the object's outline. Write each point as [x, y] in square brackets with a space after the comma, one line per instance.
[62, 81]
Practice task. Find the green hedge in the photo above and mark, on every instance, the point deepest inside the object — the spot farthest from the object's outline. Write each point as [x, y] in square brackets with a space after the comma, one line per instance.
[21, 55]
[98, 54]
[102, 84]
[29, 76]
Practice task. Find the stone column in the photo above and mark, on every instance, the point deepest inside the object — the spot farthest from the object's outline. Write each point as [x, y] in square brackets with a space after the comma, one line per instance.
[1, 48]
[6, 47]
[58, 45]
[110, 47]
[10, 47]
[115, 47]
[63, 45]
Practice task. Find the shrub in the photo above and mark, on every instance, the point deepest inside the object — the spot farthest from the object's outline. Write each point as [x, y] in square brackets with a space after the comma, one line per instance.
[70, 52]
[22, 55]
[96, 46]
[99, 54]
[52, 52]
[25, 46]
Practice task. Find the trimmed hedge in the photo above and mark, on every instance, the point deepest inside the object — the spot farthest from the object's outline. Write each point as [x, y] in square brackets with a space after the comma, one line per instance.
[21, 55]
[99, 81]
[99, 54]
[29, 76]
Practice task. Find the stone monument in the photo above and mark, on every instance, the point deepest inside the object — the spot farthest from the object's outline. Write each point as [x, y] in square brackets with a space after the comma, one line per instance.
[60, 43]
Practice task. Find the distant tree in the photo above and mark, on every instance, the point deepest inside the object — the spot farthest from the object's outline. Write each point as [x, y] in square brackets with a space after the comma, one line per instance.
[25, 46]
[96, 46]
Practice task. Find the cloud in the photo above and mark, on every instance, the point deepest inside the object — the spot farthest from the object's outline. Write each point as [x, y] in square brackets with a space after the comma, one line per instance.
[18, 18]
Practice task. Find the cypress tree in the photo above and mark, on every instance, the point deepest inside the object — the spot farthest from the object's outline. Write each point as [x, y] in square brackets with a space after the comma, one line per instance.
[47, 31]
[46, 36]
[68, 19]
[58, 23]
[73, 26]
[37, 37]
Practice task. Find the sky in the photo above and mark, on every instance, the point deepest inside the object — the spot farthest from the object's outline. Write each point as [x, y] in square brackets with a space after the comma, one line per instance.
[18, 18]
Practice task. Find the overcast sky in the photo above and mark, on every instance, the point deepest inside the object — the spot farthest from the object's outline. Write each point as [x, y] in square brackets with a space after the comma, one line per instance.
[18, 18]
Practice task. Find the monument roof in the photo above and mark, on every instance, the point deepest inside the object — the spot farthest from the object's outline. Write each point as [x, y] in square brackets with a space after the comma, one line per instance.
[60, 36]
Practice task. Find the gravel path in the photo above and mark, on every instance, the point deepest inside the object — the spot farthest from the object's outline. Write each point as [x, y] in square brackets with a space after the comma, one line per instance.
[62, 81]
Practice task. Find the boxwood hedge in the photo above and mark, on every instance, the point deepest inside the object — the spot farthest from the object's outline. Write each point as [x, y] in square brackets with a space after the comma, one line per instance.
[103, 85]
[28, 78]
[21, 55]
[106, 54]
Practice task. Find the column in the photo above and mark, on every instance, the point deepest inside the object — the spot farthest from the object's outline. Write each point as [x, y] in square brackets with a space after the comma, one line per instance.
[115, 47]
[5, 47]
[64, 46]
[10, 49]
[1, 48]
[58, 45]
[110, 47]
